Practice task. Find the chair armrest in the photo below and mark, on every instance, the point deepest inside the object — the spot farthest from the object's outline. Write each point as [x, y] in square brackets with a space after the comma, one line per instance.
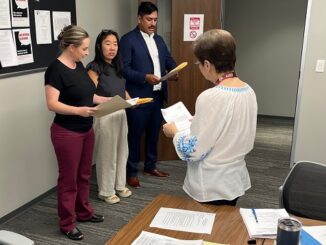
[280, 197]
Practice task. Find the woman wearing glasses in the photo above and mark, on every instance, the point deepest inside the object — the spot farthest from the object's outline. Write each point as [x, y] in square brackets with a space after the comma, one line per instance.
[111, 145]
[223, 129]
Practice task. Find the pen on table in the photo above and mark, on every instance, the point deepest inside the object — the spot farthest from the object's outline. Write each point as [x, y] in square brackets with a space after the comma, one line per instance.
[255, 215]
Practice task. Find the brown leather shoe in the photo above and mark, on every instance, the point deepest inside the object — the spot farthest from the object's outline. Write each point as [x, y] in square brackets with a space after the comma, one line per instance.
[156, 173]
[133, 181]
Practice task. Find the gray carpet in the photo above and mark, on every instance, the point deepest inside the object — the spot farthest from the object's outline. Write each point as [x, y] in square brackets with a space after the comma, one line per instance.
[268, 165]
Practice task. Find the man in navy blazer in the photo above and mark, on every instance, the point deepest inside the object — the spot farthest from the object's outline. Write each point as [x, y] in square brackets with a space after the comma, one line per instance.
[145, 59]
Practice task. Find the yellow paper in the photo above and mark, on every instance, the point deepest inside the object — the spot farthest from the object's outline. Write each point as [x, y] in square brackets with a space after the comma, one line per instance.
[180, 67]
[213, 243]
[143, 100]
[174, 71]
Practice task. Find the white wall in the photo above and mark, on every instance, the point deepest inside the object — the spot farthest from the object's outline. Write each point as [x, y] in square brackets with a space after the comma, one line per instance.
[28, 166]
[269, 37]
[309, 141]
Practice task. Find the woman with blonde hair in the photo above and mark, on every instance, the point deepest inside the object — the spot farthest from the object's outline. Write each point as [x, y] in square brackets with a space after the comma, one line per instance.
[70, 93]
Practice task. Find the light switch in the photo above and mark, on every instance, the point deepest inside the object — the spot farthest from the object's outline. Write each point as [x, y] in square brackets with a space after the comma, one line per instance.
[320, 66]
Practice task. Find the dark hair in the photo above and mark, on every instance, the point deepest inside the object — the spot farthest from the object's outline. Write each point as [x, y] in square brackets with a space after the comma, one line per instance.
[99, 58]
[218, 47]
[146, 8]
[71, 34]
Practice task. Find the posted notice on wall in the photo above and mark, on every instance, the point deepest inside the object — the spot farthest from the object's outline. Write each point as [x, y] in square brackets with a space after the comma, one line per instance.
[43, 26]
[60, 20]
[8, 54]
[4, 14]
[19, 13]
[23, 43]
[193, 26]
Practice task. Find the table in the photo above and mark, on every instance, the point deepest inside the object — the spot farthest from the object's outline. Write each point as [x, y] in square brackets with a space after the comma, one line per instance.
[228, 227]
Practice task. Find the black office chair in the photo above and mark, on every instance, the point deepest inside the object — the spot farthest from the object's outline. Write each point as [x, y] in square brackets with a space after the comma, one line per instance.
[304, 190]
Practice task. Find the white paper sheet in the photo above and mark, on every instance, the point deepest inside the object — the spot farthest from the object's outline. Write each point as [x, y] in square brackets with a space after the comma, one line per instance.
[20, 13]
[8, 54]
[178, 114]
[266, 227]
[184, 220]
[60, 20]
[43, 26]
[317, 234]
[23, 43]
[148, 238]
[4, 14]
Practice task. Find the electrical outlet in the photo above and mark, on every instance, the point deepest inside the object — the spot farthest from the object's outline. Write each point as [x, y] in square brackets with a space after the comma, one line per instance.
[320, 66]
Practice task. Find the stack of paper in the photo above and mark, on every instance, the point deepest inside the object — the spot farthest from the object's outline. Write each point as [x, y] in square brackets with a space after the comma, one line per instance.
[264, 225]
[178, 114]
[146, 238]
[313, 235]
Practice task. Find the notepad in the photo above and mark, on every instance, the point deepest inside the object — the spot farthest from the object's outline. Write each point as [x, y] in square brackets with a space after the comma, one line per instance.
[266, 227]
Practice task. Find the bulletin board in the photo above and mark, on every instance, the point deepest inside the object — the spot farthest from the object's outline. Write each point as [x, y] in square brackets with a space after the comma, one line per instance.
[43, 54]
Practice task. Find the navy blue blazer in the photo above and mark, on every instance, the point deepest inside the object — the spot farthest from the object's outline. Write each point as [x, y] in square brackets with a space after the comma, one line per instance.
[137, 62]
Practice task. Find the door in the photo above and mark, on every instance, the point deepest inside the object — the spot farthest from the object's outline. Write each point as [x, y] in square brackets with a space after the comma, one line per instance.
[191, 83]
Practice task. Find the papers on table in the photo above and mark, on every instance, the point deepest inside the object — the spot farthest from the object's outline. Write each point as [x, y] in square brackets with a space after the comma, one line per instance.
[313, 235]
[178, 114]
[184, 220]
[117, 103]
[266, 227]
[174, 71]
[146, 238]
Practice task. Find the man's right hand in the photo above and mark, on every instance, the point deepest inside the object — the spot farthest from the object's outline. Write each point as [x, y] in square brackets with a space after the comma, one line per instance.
[152, 79]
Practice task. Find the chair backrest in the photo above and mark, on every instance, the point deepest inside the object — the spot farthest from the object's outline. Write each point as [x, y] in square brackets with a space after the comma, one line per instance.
[304, 190]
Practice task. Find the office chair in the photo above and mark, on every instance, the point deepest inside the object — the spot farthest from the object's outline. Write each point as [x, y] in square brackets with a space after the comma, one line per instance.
[303, 192]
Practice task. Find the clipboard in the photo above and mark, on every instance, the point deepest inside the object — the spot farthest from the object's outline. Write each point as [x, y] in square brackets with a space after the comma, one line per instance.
[174, 71]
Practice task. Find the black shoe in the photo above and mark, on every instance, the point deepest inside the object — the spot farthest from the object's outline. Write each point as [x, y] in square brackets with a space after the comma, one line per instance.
[96, 218]
[74, 234]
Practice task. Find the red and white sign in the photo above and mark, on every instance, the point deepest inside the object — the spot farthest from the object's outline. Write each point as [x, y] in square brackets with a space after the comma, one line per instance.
[193, 26]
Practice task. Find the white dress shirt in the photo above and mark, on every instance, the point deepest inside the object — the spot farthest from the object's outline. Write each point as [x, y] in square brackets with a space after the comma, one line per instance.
[153, 51]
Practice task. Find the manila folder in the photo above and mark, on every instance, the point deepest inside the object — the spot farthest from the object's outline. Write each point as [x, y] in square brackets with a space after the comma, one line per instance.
[115, 104]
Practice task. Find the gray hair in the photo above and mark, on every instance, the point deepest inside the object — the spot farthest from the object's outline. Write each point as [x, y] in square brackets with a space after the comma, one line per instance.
[71, 34]
[218, 47]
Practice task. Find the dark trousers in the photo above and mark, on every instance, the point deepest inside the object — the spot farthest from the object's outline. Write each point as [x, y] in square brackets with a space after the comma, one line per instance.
[74, 151]
[144, 119]
[224, 202]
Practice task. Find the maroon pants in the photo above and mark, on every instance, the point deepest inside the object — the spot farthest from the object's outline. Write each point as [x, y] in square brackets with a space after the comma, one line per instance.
[74, 151]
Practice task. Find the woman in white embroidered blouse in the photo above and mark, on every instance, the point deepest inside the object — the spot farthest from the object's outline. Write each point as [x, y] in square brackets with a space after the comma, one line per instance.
[223, 128]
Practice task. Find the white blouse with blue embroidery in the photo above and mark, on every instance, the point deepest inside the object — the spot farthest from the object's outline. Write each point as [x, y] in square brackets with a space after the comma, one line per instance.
[222, 132]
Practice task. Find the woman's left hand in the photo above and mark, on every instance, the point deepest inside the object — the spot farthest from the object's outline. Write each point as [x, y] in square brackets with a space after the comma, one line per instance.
[170, 129]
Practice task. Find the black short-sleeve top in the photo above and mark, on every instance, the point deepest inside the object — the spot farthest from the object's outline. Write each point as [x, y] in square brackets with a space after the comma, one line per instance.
[76, 89]
[109, 83]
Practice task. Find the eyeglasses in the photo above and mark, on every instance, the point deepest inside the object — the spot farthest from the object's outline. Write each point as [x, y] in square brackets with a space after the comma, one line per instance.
[197, 62]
